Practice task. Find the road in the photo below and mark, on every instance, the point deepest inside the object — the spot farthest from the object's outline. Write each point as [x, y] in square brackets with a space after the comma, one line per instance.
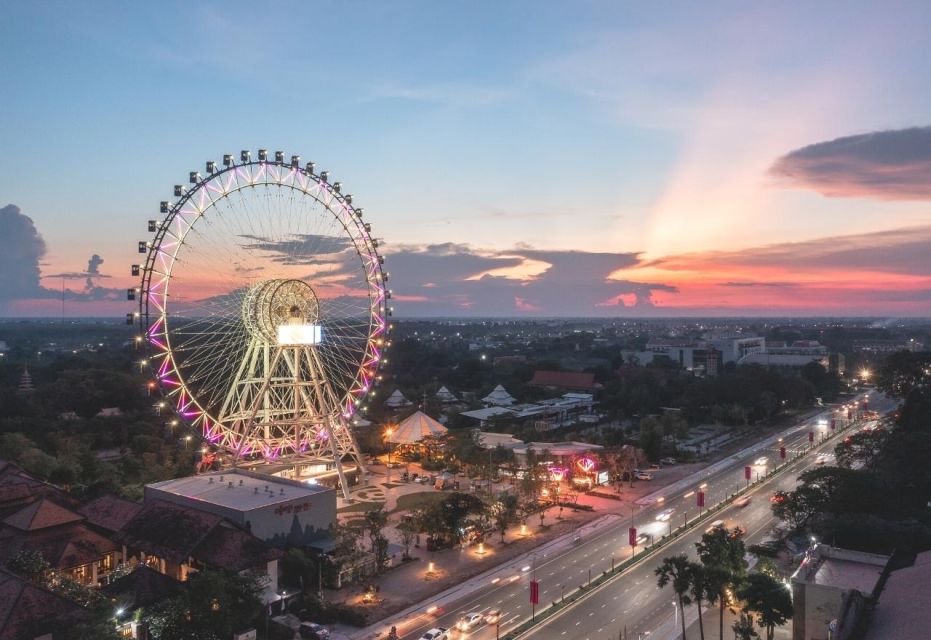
[632, 599]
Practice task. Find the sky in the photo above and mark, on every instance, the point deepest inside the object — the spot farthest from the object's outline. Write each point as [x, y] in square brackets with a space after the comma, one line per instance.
[515, 159]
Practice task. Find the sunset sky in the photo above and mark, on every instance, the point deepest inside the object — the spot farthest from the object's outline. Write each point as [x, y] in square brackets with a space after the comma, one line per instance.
[517, 158]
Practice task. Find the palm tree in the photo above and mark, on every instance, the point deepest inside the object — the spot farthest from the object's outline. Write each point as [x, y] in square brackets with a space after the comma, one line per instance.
[722, 554]
[698, 590]
[743, 628]
[769, 600]
[675, 569]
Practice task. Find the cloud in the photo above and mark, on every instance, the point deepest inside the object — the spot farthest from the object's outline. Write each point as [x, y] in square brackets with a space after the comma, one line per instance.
[456, 279]
[885, 165]
[775, 285]
[300, 249]
[21, 248]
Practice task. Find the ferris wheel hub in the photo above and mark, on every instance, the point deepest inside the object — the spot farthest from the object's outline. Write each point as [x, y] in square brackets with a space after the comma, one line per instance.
[272, 305]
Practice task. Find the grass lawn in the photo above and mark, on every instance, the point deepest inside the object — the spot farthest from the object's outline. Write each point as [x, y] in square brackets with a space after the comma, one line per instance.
[361, 506]
[420, 499]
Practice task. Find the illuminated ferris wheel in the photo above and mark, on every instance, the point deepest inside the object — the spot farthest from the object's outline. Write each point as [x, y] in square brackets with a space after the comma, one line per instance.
[263, 303]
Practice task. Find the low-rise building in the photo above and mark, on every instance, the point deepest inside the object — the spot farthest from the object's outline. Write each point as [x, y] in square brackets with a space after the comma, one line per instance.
[830, 591]
[904, 607]
[276, 510]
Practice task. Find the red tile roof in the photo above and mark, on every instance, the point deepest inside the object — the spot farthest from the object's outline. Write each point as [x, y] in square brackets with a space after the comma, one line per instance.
[110, 513]
[42, 514]
[232, 548]
[63, 547]
[167, 530]
[564, 380]
[28, 611]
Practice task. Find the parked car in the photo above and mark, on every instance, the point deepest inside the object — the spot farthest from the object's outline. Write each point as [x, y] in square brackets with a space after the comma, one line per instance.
[667, 460]
[437, 633]
[664, 515]
[655, 466]
[493, 616]
[469, 620]
[742, 501]
[313, 631]
[643, 475]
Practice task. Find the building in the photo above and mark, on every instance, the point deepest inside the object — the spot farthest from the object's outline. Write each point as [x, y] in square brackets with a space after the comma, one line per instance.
[795, 355]
[29, 612]
[499, 397]
[696, 357]
[72, 549]
[397, 400]
[568, 380]
[275, 510]
[177, 540]
[25, 382]
[445, 396]
[904, 607]
[830, 590]
[735, 348]
[545, 415]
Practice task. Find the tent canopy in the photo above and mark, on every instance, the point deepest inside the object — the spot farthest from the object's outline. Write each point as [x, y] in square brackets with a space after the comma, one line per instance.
[397, 399]
[500, 397]
[415, 428]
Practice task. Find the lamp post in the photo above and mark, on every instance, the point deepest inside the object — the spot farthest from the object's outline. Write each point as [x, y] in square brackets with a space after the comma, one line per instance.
[388, 433]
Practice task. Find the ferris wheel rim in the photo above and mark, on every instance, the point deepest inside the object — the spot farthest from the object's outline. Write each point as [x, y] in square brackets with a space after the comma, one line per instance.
[155, 307]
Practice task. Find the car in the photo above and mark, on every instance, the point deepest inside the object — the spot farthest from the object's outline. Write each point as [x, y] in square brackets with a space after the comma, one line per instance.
[821, 459]
[642, 539]
[493, 616]
[655, 466]
[469, 620]
[762, 461]
[664, 515]
[717, 524]
[742, 501]
[437, 633]
[643, 475]
[667, 460]
[777, 498]
[313, 631]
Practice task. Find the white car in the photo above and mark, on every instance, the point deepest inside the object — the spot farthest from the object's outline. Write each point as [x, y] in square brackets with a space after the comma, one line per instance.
[439, 633]
[664, 515]
[643, 475]
[469, 620]
[742, 501]
[762, 461]
[821, 459]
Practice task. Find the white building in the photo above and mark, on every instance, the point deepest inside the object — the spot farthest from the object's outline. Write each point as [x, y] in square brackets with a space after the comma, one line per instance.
[273, 509]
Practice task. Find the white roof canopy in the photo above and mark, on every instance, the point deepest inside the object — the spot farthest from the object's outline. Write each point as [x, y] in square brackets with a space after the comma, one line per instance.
[445, 395]
[397, 399]
[415, 428]
[500, 397]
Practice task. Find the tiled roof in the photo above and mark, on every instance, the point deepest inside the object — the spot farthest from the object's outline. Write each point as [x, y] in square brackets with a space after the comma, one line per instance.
[109, 512]
[167, 530]
[63, 547]
[28, 611]
[564, 379]
[144, 586]
[42, 514]
[232, 548]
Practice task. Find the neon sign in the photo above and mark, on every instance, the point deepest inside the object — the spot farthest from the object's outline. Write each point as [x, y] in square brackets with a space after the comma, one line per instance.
[587, 465]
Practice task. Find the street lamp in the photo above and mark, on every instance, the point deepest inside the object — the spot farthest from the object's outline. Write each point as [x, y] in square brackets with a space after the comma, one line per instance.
[388, 433]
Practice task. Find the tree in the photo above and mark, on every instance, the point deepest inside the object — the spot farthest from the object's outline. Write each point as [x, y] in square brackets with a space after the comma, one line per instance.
[503, 512]
[768, 599]
[699, 592]
[743, 628]
[408, 532]
[215, 605]
[651, 437]
[721, 551]
[861, 449]
[375, 521]
[676, 570]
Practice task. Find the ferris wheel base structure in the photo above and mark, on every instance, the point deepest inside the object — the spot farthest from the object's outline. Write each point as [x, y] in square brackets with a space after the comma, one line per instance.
[263, 305]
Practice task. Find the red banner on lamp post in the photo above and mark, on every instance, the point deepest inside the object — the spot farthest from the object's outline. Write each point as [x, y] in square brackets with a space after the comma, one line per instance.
[833, 424]
[700, 499]
[632, 536]
[747, 472]
[811, 436]
[534, 592]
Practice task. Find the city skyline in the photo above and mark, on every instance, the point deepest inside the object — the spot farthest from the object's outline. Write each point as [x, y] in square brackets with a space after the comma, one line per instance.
[529, 160]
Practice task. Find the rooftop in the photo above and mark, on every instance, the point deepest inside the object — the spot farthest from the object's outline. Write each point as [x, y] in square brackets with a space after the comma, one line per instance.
[904, 608]
[842, 569]
[239, 490]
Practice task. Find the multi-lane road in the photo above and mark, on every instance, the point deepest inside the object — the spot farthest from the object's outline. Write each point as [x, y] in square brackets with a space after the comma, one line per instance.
[632, 599]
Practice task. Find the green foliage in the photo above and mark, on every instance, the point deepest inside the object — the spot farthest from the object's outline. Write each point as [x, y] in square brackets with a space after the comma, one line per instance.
[215, 604]
[722, 552]
[651, 437]
[743, 628]
[769, 599]
[676, 570]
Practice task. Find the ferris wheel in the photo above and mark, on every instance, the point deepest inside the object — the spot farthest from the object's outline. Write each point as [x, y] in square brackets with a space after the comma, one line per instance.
[263, 303]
